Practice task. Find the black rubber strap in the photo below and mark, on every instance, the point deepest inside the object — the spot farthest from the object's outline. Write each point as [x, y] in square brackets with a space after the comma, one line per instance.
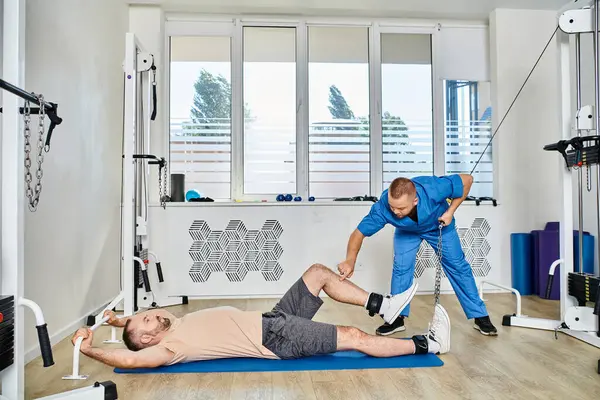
[154, 101]
[374, 303]
[421, 344]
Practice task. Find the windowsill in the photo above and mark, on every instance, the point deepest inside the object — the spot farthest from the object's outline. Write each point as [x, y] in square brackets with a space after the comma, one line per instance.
[322, 203]
[249, 203]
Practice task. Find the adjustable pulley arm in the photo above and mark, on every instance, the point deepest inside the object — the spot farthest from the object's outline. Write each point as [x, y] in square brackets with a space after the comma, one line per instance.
[162, 174]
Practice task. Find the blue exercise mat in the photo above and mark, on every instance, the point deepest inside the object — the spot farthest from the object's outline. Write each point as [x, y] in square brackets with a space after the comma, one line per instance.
[342, 360]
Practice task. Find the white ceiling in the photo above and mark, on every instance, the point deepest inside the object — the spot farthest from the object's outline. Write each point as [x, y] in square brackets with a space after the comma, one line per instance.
[453, 9]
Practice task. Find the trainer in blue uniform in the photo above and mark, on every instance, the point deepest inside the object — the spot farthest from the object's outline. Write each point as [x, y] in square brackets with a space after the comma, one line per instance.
[416, 207]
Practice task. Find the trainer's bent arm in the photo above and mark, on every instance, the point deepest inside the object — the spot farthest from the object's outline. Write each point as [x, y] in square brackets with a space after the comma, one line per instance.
[354, 245]
[151, 357]
[467, 181]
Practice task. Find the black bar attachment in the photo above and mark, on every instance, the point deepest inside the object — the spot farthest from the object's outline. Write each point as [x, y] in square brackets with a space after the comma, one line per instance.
[50, 109]
[27, 96]
[478, 200]
[578, 151]
[155, 160]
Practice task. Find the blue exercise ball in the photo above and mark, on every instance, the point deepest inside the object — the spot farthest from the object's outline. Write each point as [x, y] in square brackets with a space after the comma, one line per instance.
[297, 198]
[280, 197]
[311, 198]
[192, 194]
[288, 197]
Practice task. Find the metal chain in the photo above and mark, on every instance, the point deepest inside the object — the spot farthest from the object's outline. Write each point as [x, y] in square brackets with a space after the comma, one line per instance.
[162, 187]
[438, 272]
[34, 194]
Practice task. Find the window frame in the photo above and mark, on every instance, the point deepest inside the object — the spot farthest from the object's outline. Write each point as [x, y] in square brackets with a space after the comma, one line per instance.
[232, 26]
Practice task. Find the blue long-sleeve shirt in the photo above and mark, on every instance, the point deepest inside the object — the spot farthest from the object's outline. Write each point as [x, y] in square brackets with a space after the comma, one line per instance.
[432, 192]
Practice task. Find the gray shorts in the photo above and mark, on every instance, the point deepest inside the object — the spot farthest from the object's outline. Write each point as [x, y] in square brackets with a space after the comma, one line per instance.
[289, 331]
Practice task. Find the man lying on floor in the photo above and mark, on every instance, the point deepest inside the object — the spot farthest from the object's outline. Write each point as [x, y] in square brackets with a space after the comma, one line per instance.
[156, 337]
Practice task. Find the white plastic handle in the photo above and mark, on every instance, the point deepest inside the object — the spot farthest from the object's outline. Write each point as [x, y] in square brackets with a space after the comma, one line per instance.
[77, 348]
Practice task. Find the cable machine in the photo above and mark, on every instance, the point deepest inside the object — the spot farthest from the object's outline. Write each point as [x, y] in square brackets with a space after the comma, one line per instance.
[137, 291]
[580, 150]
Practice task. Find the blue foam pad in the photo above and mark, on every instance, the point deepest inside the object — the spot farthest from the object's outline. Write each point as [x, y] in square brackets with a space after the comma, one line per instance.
[341, 360]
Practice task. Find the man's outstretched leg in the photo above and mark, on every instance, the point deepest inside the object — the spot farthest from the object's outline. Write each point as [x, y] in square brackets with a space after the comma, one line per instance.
[318, 277]
[436, 341]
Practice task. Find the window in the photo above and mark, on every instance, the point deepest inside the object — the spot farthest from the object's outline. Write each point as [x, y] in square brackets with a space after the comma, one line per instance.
[200, 113]
[468, 122]
[407, 105]
[339, 129]
[269, 95]
[260, 108]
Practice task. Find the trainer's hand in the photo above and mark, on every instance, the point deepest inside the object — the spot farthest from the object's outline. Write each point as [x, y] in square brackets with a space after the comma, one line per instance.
[112, 317]
[87, 335]
[346, 269]
[446, 218]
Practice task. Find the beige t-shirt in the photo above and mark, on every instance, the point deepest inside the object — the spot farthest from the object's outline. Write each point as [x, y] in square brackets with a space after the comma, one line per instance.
[221, 332]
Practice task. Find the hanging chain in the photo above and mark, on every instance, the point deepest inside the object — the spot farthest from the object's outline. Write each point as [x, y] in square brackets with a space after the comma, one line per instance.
[438, 272]
[162, 187]
[588, 179]
[34, 194]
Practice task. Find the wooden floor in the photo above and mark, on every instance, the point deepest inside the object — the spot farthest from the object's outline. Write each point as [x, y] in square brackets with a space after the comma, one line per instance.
[518, 364]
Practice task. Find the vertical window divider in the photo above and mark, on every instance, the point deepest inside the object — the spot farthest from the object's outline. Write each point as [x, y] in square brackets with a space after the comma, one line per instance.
[439, 130]
[237, 112]
[302, 112]
[375, 123]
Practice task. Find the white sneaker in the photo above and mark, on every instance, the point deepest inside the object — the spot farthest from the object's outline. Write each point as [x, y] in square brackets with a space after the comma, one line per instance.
[395, 304]
[439, 330]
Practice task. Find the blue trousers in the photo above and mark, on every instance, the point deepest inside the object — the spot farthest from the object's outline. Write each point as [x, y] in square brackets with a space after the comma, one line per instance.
[454, 264]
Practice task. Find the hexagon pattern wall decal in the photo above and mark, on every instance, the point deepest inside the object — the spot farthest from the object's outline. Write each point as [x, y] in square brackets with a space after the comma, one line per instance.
[474, 243]
[235, 251]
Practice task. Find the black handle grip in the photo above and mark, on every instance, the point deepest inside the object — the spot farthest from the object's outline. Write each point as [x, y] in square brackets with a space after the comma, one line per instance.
[159, 271]
[45, 345]
[153, 116]
[146, 280]
[549, 286]
[597, 305]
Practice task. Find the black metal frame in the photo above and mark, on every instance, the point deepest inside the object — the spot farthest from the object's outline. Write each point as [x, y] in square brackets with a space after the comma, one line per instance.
[50, 109]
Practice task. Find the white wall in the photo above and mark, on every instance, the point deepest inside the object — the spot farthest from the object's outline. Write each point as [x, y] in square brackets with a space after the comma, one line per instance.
[74, 57]
[527, 179]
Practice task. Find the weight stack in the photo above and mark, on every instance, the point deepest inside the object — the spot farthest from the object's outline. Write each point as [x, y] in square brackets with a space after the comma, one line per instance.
[7, 331]
[583, 287]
